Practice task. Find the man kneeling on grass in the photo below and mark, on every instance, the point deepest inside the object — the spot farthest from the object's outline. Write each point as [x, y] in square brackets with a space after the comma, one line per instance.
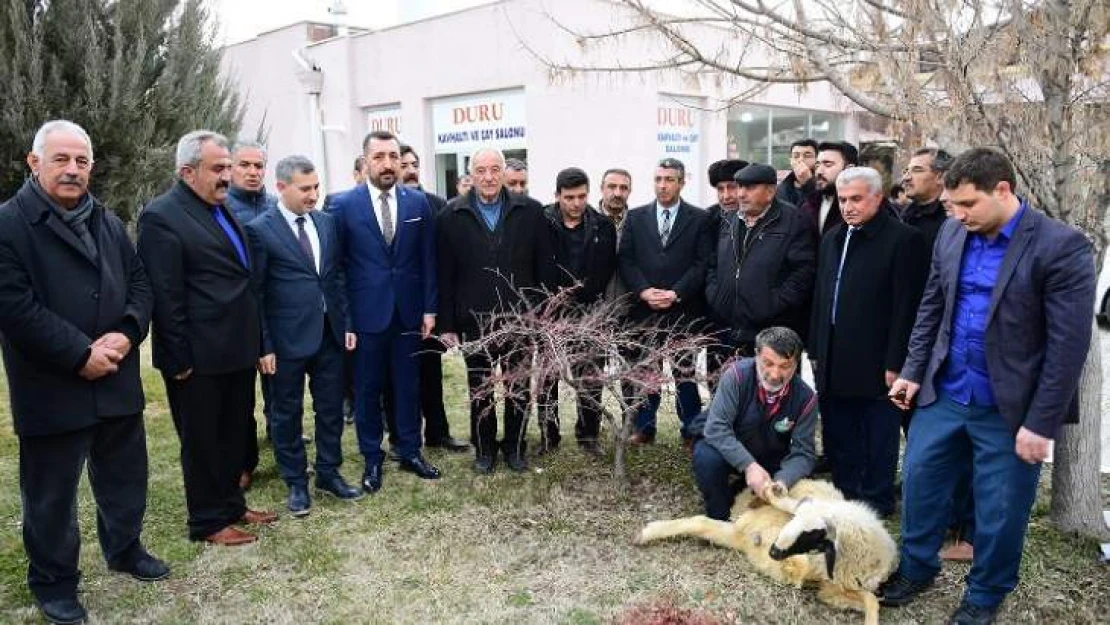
[760, 423]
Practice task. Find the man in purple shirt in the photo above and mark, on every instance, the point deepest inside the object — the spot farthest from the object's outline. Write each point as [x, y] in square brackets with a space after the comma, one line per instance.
[994, 360]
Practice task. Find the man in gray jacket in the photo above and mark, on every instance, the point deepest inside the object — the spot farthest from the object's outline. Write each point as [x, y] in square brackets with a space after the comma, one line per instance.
[760, 424]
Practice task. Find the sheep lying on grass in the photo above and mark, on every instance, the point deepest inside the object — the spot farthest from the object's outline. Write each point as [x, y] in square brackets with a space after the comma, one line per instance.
[810, 534]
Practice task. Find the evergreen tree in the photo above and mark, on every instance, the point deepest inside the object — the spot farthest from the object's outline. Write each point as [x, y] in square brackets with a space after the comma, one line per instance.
[136, 74]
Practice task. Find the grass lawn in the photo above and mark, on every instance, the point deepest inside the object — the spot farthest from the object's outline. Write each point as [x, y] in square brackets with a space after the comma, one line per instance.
[551, 546]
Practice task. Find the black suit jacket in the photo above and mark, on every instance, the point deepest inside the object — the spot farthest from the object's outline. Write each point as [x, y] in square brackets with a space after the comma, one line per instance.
[1038, 327]
[205, 312]
[55, 300]
[680, 266]
[880, 287]
[291, 293]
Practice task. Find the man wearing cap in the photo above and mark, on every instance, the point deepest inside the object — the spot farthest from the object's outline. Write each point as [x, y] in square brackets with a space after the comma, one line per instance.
[728, 200]
[762, 274]
[720, 178]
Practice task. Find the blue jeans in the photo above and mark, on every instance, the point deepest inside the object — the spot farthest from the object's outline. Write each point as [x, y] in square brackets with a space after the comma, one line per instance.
[713, 475]
[945, 438]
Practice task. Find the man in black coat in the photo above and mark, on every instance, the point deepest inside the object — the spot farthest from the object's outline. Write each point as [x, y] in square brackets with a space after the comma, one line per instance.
[207, 336]
[870, 275]
[74, 306]
[579, 252]
[486, 247]
[923, 180]
[762, 274]
[664, 253]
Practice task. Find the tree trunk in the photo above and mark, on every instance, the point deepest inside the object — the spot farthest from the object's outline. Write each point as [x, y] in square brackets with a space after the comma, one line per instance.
[620, 446]
[1076, 487]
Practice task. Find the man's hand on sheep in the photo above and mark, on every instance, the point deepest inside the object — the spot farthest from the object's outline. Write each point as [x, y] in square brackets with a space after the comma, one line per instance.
[757, 478]
[902, 393]
[1031, 447]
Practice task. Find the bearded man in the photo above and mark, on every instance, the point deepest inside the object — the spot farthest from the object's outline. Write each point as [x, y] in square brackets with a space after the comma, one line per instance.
[760, 424]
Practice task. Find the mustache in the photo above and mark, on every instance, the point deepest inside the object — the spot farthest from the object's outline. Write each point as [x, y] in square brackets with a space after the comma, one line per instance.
[222, 184]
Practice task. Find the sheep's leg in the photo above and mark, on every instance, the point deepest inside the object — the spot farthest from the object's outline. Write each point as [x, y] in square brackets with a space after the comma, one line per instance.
[858, 600]
[776, 495]
[871, 607]
[722, 533]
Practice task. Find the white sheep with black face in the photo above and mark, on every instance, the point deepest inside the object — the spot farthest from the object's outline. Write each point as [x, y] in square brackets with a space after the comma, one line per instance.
[809, 535]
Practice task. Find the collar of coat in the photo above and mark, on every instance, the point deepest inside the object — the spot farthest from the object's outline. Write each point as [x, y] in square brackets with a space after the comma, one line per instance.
[35, 206]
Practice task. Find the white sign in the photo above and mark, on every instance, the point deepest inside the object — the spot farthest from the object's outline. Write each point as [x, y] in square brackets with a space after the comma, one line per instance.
[386, 118]
[678, 135]
[463, 124]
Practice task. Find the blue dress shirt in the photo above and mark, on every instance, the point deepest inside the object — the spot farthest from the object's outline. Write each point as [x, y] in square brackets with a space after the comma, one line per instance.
[965, 377]
[229, 230]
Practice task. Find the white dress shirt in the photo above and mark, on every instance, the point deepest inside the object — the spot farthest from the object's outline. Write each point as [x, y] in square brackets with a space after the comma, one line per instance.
[310, 228]
[376, 205]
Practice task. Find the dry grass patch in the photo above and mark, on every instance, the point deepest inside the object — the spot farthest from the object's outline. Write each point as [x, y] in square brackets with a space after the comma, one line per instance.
[551, 546]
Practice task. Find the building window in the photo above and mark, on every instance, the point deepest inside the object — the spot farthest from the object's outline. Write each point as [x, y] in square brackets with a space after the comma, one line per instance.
[763, 134]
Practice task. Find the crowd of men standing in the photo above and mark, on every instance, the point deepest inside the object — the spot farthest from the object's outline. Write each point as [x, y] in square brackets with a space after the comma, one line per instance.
[360, 298]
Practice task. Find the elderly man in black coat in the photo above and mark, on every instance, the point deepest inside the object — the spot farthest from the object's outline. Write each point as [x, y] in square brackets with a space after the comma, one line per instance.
[870, 274]
[74, 306]
[762, 273]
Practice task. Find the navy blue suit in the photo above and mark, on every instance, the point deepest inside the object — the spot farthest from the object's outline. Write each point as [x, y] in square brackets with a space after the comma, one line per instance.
[390, 288]
[1037, 333]
[304, 319]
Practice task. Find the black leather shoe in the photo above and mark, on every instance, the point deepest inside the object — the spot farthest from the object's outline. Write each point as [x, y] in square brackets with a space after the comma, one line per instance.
[145, 568]
[338, 487]
[63, 611]
[484, 464]
[450, 444]
[971, 614]
[516, 462]
[372, 478]
[900, 590]
[298, 502]
[592, 448]
[420, 467]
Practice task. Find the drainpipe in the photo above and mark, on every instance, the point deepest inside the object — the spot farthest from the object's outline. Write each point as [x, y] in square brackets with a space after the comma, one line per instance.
[311, 78]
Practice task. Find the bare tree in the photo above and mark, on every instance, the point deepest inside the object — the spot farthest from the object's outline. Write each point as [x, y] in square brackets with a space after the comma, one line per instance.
[584, 346]
[1031, 77]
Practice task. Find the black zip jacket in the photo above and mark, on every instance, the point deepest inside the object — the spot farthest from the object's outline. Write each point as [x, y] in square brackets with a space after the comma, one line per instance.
[763, 276]
[599, 256]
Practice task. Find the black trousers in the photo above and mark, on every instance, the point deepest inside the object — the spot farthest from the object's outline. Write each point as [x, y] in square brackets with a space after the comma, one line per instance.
[50, 469]
[210, 414]
[483, 413]
[587, 427]
[430, 365]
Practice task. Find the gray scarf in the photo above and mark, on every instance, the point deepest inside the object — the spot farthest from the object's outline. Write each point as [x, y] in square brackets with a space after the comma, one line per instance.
[77, 219]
